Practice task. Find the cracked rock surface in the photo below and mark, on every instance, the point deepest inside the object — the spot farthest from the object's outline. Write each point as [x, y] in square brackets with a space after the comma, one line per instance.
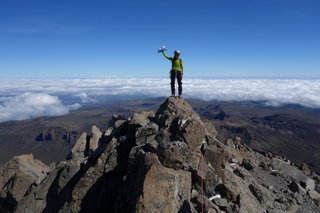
[169, 161]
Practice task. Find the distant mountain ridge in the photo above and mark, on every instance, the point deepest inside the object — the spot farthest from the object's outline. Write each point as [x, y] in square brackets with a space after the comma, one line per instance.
[51, 138]
[168, 161]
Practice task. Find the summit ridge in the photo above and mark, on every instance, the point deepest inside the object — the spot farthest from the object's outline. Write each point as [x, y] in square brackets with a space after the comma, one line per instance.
[165, 161]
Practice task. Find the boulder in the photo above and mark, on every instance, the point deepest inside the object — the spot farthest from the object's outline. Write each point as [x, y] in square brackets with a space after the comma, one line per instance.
[308, 183]
[51, 193]
[146, 133]
[287, 170]
[151, 146]
[211, 181]
[17, 176]
[248, 164]
[80, 149]
[101, 178]
[139, 119]
[205, 205]
[305, 169]
[151, 187]
[196, 163]
[193, 133]
[228, 190]
[314, 195]
[149, 114]
[171, 158]
[94, 138]
[217, 157]
[256, 192]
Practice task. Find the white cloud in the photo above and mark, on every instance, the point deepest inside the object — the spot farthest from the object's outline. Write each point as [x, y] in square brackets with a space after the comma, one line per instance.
[85, 98]
[46, 92]
[30, 105]
[273, 91]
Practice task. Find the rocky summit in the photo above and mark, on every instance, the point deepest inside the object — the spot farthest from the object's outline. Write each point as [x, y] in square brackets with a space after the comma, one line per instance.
[169, 161]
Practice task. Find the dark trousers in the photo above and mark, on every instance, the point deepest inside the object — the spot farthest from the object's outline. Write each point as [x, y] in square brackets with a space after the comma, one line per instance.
[173, 75]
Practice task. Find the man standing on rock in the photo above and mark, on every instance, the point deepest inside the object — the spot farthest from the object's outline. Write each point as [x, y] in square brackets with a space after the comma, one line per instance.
[176, 69]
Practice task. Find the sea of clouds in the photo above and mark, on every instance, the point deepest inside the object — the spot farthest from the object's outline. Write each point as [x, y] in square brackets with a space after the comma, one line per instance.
[30, 98]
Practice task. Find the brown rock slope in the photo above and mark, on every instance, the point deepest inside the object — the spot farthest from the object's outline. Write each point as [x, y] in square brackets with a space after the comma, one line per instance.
[168, 161]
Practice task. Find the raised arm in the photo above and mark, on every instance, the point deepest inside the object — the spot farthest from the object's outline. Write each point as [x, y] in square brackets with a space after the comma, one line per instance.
[165, 55]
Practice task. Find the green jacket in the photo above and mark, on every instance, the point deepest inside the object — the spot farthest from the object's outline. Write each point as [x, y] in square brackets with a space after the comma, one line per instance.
[176, 64]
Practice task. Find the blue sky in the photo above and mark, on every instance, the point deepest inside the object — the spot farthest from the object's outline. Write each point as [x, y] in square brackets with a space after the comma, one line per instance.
[217, 38]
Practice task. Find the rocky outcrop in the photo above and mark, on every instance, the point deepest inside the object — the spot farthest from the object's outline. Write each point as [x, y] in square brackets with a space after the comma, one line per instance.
[151, 187]
[16, 178]
[168, 161]
[86, 144]
[57, 133]
[94, 139]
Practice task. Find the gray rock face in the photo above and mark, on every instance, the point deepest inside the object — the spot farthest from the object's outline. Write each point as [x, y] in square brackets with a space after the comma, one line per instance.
[146, 133]
[86, 144]
[139, 119]
[17, 176]
[177, 117]
[94, 138]
[161, 189]
[168, 161]
[50, 194]
[79, 149]
[305, 169]
[248, 164]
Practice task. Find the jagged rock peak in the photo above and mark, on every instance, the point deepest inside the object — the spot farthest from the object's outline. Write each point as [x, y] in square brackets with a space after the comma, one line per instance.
[178, 118]
[168, 161]
[175, 107]
[86, 144]
[175, 104]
